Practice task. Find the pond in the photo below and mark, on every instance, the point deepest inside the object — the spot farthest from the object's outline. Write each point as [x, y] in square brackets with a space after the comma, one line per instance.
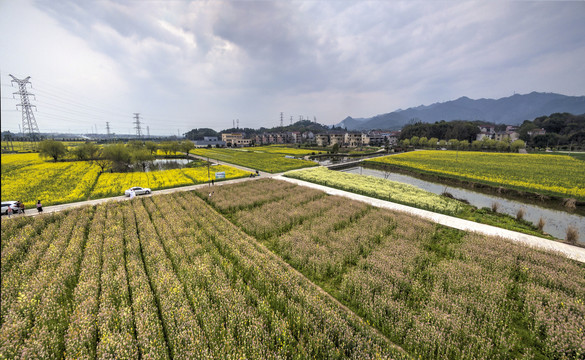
[166, 164]
[556, 222]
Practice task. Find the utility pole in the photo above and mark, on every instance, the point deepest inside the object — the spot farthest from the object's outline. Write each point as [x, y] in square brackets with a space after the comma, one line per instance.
[137, 125]
[29, 124]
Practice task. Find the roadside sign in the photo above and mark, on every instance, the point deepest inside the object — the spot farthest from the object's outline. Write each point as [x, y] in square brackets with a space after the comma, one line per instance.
[220, 175]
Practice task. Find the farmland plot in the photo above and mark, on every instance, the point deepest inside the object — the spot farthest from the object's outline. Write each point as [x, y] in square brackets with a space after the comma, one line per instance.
[556, 175]
[435, 291]
[164, 277]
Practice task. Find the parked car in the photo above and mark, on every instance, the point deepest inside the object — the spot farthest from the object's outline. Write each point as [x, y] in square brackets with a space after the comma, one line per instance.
[137, 190]
[12, 204]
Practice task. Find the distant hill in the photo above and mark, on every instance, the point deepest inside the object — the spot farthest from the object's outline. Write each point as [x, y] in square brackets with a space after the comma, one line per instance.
[512, 110]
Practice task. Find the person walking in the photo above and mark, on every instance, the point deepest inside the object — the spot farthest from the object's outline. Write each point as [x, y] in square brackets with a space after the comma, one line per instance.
[132, 194]
[21, 207]
[9, 211]
[39, 206]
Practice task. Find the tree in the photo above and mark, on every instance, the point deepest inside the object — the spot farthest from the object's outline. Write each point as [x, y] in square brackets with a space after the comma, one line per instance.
[423, 142]
[86, 151]
[463, 145]
[52, 149]
[476, 145]
[335, 148]
[119, 155]
[187, 146]
[414, 141]
[151, 146]
[141, 157]
[433, 142]
[502, 146]
[517, 145]
[454, 144]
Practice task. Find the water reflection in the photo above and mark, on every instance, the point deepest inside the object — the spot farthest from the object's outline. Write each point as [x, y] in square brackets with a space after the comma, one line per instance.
[556, 222]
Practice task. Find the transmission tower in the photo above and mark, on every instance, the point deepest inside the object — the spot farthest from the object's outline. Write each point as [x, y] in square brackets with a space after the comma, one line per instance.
[237, 123]
[291, 119]
[148, 131]
[137, 125]
[108, 128]
[29, 124]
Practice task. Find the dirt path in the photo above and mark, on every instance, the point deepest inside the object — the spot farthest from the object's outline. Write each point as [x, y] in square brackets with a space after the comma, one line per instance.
[572, 252]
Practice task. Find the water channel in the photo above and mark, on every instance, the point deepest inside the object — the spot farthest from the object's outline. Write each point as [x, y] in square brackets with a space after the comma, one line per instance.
[556, 222]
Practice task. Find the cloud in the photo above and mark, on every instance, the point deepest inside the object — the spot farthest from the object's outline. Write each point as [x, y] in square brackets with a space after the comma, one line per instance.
[197, 62]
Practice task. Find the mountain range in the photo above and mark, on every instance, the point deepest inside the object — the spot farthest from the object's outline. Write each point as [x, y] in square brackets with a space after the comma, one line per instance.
[512, 110]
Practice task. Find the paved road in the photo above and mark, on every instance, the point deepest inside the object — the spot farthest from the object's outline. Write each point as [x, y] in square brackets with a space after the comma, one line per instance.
[262, 173]
[55, 208]
[572, 252]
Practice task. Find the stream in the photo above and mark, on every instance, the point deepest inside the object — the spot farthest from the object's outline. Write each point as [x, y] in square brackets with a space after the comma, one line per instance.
[556, 222]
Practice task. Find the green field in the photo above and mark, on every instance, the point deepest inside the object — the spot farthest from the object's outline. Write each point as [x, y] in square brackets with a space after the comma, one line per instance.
[257, 160]
[555, 175]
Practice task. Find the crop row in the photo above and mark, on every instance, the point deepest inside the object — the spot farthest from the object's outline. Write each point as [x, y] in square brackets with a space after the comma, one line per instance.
[548, 174]
[269, 162]
[165, 277]
[437, 292]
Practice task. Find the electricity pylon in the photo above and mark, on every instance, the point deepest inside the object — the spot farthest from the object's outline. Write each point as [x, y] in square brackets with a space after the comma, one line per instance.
[29, 123]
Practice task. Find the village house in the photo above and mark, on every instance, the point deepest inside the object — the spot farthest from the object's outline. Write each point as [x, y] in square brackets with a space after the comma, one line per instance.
[235, 139]
[209, 141]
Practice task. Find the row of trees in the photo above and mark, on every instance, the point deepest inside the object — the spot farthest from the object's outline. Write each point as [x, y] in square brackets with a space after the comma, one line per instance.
[454, 144]
[117, 157]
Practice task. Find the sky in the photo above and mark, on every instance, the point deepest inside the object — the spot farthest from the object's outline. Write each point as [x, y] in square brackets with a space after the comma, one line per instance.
[194, 64]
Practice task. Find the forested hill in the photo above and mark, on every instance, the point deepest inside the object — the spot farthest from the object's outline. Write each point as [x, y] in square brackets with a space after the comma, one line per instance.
[512, 110]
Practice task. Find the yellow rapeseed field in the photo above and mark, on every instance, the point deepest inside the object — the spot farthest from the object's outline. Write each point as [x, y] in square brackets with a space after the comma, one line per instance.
[28, 178]
[114, 184]
[547, 174]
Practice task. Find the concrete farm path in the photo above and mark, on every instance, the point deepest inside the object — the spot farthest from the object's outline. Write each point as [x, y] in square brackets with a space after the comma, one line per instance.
[572, 252]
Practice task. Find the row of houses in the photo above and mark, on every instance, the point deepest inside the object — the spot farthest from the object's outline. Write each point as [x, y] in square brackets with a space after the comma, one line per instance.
[343, 138]
[511, 133]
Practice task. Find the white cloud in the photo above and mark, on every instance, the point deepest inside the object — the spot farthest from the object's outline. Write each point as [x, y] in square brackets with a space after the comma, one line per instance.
[195, 62]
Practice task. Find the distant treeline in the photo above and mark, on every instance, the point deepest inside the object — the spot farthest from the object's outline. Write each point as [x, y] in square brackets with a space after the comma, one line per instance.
[443, 130]
[562, 129]
[300, 126]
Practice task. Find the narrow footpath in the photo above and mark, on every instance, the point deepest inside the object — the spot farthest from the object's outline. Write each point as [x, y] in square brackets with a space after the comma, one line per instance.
[572, 252]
